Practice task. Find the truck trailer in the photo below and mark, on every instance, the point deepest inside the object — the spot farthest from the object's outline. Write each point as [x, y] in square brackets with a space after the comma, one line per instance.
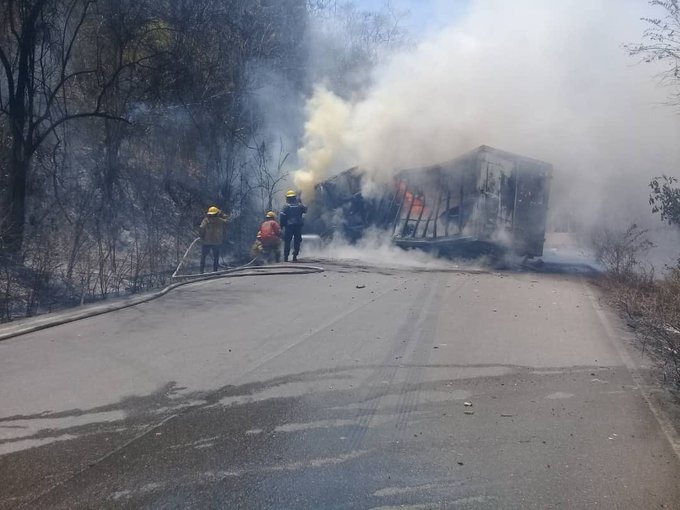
[486, 200]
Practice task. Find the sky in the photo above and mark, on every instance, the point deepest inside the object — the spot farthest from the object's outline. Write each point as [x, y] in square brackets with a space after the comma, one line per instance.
[424, 15]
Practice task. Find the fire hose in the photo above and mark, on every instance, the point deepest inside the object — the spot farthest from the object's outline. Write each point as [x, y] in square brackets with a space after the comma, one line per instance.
[248, 269]
[254, 270]
[186, 253]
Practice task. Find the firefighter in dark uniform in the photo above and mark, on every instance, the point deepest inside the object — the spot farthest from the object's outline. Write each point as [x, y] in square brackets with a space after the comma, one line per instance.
[292, 221]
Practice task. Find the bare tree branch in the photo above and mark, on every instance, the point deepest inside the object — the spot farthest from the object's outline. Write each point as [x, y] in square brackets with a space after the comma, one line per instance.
[101, 115]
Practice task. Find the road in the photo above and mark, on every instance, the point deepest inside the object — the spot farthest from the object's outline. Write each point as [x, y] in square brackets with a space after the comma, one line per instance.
[344, 389]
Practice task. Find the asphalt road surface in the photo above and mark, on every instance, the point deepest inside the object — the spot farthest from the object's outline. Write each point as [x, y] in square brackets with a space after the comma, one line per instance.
[345, 389]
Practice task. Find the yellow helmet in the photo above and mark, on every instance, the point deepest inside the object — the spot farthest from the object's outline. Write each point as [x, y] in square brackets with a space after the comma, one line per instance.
[291, 194]
[212, 210]
[271, 214]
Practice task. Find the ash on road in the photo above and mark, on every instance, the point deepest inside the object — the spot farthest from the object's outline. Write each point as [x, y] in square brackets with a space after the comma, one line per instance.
[346, 389]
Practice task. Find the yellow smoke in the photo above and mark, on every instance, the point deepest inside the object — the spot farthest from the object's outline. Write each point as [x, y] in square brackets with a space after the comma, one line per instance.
[325, 144]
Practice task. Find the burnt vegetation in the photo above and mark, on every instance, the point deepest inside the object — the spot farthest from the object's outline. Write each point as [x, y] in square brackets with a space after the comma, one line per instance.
[121, 121]
[650, 303]
[651, 306]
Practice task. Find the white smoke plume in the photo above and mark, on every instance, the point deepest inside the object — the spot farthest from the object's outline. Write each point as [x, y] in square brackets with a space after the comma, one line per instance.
[325, 137]
[549, 80]
[376, 249]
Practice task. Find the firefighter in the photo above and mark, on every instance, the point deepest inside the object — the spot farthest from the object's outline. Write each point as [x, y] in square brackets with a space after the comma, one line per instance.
[270, 237]
[212, 232]
[257, 250]
[292, 221]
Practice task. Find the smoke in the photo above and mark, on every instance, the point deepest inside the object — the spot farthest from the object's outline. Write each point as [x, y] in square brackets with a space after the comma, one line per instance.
[324, 138]
[376, 248]
[549, 80]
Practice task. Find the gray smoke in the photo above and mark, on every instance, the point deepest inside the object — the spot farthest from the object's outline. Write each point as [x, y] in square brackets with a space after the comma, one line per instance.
[550, 80]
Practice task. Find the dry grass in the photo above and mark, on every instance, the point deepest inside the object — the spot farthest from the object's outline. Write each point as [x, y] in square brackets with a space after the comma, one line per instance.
[650, 305]
[652, 308]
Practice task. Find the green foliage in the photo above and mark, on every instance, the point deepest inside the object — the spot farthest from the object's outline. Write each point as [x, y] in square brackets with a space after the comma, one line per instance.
[665, 199]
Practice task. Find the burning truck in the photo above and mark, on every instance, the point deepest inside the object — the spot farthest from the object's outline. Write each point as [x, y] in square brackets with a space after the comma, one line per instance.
[485, 201]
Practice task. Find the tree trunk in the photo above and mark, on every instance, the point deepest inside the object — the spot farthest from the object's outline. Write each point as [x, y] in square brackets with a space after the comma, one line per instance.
[18, 175]
[112, 143]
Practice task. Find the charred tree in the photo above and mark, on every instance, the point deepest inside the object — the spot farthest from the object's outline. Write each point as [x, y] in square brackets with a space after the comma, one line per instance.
[37, 48]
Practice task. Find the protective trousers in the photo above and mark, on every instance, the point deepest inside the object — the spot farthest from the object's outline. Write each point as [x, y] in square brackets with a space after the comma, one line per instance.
[272, 252]
[294, 233]
[215, 249]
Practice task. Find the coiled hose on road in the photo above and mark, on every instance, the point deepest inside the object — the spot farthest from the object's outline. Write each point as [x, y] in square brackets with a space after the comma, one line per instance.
[48, 321]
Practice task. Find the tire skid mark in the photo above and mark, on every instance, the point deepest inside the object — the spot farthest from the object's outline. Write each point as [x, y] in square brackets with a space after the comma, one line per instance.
[406, 344]
[424, 338]
[377, 385]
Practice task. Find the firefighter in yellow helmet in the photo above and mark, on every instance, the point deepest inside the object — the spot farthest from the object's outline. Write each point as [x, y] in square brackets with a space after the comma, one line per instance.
[292, 221]
[212, 232]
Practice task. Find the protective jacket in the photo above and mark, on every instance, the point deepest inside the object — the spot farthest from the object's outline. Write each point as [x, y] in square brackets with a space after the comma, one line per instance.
[212, 229]
[291, 214]
[270, 232]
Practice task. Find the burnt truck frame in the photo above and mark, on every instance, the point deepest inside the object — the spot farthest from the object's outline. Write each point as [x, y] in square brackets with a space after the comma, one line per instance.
[486, 200]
